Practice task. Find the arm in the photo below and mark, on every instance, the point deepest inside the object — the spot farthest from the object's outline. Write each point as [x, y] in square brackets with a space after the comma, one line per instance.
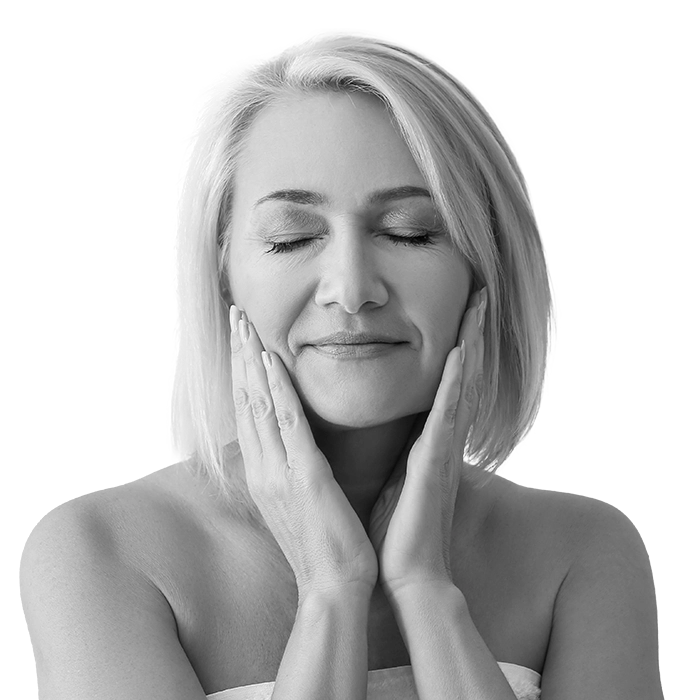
[99, 628]
[315, 526]
[411, 529]
[326, 655]
[604, 640]
[448, 656]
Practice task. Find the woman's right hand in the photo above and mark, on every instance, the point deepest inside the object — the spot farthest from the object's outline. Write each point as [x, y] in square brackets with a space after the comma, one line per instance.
[290, 479]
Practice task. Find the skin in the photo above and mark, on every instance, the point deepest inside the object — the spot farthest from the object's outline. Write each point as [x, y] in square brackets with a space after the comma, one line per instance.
[351, 277]
[193, 601]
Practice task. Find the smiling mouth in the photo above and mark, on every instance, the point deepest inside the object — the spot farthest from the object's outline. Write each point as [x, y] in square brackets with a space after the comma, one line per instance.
[356, 350]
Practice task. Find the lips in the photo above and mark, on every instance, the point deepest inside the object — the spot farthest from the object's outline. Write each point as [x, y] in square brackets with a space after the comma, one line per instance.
[347, 338]
[356, 346]
[356, 351]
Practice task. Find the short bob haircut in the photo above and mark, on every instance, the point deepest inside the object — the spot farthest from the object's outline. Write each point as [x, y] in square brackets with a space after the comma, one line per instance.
[476, 186]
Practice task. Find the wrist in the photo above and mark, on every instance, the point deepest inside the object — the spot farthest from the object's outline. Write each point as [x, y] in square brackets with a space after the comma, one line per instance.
[421, 607]
[409, 593]
[354, 595]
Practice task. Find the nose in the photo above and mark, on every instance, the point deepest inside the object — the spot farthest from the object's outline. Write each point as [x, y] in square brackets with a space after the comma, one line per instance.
[350, 272]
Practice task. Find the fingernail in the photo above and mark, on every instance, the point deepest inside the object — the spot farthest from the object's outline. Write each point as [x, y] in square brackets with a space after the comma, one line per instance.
[267, 359]
[481, 311]
[461, 352]
[232, 314]
[243, 331]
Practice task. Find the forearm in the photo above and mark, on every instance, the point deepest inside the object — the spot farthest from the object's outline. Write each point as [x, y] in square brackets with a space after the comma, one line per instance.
[448, 656]
[326, 655]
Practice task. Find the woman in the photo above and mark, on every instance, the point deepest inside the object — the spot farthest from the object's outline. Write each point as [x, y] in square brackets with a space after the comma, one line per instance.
[364, 328]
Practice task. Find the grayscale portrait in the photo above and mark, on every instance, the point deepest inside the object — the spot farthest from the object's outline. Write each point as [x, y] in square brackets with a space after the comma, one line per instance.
[366, 309]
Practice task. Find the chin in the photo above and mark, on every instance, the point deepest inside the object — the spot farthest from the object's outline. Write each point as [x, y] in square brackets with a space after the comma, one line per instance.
[349, 399]
[346, 420]
[341, 412]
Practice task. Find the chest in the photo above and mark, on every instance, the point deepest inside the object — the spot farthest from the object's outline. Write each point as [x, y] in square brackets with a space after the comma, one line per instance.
[235, 607]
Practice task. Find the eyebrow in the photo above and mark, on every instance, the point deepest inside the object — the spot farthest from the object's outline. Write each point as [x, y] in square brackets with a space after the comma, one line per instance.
[316, 199]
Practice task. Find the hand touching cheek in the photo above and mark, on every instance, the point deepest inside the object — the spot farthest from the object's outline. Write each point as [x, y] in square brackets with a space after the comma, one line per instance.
[411, 523]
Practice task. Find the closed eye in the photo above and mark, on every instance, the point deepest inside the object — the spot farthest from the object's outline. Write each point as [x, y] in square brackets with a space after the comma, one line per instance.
[413, 237]
[417, 237]
[288, 246]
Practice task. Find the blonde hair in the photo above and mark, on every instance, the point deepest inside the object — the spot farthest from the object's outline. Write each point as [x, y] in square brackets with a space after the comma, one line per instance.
[477, 188]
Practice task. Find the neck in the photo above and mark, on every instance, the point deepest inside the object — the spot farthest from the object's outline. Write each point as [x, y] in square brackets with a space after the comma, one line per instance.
[362, 459]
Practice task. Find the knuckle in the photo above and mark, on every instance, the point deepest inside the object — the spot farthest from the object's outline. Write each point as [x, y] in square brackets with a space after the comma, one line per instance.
[275, 386]
[451, 414]
[470, 396]
[235, 343]
[286, 418]
[260, 406]
[240, 399]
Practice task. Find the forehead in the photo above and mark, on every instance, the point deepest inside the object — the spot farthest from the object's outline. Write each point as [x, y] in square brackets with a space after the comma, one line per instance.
[341, 145]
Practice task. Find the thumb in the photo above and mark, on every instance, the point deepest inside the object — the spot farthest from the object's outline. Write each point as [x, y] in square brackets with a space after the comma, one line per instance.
[384, 508]
[416, 431]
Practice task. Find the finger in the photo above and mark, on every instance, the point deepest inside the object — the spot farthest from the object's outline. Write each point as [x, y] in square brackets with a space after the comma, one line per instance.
[467, 330]
[472, 305]
[294, 429]
[247, 434]
[262, 407]
[437, 437]
[472, 382]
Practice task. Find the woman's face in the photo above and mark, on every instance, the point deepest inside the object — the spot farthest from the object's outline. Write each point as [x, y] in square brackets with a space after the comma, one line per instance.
[334, 232]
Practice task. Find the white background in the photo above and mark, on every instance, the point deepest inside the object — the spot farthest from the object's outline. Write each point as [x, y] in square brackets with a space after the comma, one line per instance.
[597, 100]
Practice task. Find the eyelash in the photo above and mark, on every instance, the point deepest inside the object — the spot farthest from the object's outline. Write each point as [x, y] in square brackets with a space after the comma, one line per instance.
[426, 237]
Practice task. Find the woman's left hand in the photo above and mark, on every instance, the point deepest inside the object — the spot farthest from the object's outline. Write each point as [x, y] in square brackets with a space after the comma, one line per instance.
[411, 522]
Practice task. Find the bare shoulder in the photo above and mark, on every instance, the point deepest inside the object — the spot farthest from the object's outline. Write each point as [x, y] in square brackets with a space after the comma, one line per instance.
[604, 635]
[566, 536]
[97, 531]
[598, 536]
[605, 630]
[118, 522]
[515, 526]
[570, 527]
[93, 581]
[156, 528]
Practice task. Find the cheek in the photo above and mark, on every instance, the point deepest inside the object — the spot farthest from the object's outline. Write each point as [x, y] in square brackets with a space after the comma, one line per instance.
[270, 305]
[440, 303]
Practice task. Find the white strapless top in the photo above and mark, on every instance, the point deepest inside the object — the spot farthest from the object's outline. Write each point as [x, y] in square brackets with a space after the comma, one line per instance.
[396, 684]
